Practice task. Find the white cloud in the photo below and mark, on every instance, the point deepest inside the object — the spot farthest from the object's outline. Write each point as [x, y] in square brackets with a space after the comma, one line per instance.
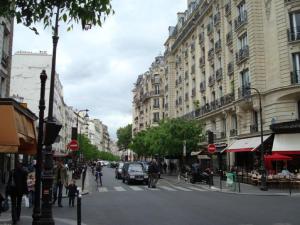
[98, 67]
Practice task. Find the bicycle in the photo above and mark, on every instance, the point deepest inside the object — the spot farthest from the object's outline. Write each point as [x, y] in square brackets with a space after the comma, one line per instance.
[98, 178]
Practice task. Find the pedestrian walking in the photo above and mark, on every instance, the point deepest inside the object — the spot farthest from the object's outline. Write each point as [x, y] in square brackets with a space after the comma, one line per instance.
[16, 188]
[153, 171]
[60, 179]
[98, 175]
[165, 167]
[30, 185]
[72, 193]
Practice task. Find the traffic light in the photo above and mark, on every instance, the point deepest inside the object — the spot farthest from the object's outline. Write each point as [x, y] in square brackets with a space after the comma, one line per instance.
[210, 137]
[51, 132]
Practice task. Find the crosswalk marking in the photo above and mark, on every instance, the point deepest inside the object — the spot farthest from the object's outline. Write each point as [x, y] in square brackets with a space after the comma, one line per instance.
[181, 188]
[196, 189]
[135, 188]
[167, 188]
[119, 189]
[102, 189]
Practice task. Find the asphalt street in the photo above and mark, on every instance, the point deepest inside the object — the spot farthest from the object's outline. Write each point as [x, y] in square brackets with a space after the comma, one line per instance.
[177, 204]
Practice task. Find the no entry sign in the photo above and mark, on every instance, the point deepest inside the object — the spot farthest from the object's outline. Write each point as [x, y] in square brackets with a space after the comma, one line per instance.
[73, 145]
[211, 148]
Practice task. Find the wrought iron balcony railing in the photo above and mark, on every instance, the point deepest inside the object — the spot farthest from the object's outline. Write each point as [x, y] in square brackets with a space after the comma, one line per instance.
[228, 9]
[219, 74]
[241, 20]
[211, 53]
[217, 19]
[229, 38]
[230, 68]
[218, 46]
[211, 80]
[294, 34]
[244, 91]
[295, 77]
[242, 54]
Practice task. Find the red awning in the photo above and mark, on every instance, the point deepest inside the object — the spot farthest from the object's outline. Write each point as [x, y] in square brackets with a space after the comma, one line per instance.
[277, 157]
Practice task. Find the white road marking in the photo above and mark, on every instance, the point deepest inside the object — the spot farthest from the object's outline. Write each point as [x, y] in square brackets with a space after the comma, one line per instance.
[135, 188]
[167, 188]
[102, 189]
[119, 189]
[181, 188]
[196, 189]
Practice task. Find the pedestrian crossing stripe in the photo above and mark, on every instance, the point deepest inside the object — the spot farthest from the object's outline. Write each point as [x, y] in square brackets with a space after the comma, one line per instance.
[196, 189]
[119, 189]
[135, 188]
[181, 188]
[102, 189]
[167, 188]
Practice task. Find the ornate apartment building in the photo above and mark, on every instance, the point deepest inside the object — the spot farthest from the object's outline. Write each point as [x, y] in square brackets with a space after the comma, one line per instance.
[148, 102]
[220, 51]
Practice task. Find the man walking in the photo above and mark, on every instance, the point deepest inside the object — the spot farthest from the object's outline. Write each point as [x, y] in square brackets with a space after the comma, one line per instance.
[153, 174]
[16, 188]
[60, 179]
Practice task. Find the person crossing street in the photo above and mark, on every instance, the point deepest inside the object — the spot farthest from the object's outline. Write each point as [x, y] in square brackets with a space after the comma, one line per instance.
[153, 174]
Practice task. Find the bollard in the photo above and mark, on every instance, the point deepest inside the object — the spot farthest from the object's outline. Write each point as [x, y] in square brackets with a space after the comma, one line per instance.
[290, 186]
[79, 209]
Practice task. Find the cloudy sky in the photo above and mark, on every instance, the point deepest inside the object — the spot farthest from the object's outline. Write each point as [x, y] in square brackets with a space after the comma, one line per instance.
[99, 67]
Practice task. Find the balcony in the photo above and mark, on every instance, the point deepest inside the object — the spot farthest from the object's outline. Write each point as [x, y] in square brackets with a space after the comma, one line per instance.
[218, 46]
[242, 55]
[253, 128]
[156, 106]
[202, 61]
[156, 93]
[202, 86]
[229, 38]
[211, 54]
[294, 34]
[233, 132]
[240, 21]
[295, 77]
[211, 81]
[217, 19]
[228, 9]
[244, 91]
[201, 38]
[219, 74]
[210, 28]
[156, 120]
[193, 92]
[230, 69]
[155, 80]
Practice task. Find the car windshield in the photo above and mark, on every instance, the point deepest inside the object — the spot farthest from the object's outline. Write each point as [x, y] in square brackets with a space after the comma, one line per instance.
[135, 168]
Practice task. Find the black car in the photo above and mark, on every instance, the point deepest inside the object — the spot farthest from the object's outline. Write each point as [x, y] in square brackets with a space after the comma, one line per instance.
[133, 171]
[118, 170]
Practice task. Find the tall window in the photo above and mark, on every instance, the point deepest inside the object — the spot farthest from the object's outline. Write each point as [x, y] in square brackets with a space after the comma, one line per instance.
[241, 8]
[296, 68]
[156, 103]
[156, 117]
[295, 26]
[245, 78]
[156, 89]
[234, 122]
[220, 92]
[2, 87]
[213, 125]
[224, 127]
[243, 41]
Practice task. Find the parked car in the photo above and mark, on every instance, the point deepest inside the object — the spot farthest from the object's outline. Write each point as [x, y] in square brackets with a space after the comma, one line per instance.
[134, 171]
[118, 170]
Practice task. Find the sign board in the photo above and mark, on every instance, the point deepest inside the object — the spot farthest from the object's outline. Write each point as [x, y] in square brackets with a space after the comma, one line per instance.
[211, 148]
[73, 145]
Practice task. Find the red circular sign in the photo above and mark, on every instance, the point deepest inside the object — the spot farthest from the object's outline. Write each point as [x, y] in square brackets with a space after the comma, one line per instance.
[73, 145]
[211, 148]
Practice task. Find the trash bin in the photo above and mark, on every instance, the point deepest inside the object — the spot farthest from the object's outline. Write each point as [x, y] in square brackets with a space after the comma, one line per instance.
[231, 181]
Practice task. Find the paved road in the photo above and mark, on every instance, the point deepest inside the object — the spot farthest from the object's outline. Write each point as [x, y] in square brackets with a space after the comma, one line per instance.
[178, 204]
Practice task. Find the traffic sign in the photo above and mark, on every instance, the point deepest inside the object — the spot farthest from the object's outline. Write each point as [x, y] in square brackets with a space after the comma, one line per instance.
[211, 148]
[73, 145]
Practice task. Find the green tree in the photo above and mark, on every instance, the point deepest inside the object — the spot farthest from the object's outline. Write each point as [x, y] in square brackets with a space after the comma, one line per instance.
[30, 12]
[124, 135]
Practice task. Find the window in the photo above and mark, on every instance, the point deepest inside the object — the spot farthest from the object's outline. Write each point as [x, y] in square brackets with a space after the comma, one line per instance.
[220, 92]
[224, 127]
[241, 8]
[296, 68]
[156, 103]
[295, 26]
[156, 89]
[245, 78]
[243, 41]
[234, 122]
[213, 126]
[155, 117]
[2, 87]
[299, 110]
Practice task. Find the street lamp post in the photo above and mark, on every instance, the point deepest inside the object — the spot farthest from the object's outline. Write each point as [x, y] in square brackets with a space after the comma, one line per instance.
[262, 150]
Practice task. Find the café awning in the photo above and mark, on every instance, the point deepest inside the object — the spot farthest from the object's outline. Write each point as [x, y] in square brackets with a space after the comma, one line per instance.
[277, 157]
[287, 143]
[246, 144]
[17, 130]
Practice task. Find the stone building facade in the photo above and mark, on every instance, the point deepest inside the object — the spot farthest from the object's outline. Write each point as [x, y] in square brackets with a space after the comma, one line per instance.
[221, 53]
[149, 100]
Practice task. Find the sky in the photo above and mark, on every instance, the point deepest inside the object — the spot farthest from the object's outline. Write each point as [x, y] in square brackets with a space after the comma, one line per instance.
[98, 67]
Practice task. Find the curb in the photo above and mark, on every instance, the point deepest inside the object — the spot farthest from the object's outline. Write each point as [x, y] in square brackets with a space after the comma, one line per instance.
[215, 189]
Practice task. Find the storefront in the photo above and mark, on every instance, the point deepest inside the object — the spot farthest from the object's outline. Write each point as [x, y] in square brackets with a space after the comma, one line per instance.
[17, 133]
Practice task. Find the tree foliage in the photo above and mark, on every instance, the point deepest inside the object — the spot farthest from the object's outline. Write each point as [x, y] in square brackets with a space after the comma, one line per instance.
[90, 152]
[30, 12]
[167, 139]
[124, 135]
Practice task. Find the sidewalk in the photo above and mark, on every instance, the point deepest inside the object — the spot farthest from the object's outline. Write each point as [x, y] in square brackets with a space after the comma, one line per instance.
[242, 189]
